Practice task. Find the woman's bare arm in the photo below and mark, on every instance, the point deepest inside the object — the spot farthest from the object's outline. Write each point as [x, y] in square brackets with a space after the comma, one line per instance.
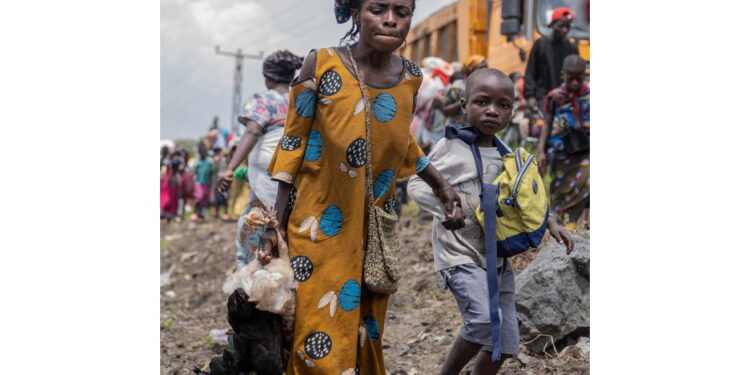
[253, 131]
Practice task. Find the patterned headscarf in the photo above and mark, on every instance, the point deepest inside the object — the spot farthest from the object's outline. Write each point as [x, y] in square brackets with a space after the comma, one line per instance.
[472, 62]
[342, 10]
[281, 65]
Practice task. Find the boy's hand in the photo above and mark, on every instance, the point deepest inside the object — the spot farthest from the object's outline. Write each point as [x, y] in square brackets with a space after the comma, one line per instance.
[561, 235]
[541, 159]
[451, 207]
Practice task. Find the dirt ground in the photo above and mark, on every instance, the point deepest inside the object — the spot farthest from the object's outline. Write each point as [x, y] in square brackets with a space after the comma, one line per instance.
[422, 320]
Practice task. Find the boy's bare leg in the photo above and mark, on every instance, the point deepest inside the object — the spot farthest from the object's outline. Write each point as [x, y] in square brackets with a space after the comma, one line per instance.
[485, 366]
[584, 222]
[461, 353]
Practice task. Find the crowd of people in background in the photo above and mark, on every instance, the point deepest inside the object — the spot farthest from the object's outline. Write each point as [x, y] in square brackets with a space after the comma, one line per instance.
[546, 107]
[189, 179]
[549, 114]
[278, 162]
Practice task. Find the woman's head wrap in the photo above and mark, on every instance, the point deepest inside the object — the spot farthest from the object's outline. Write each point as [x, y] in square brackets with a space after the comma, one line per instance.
[342, 10]
[472, 62]
[281, 65]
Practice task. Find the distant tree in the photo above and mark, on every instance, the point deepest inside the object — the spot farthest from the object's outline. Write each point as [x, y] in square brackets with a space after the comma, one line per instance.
[189, 144]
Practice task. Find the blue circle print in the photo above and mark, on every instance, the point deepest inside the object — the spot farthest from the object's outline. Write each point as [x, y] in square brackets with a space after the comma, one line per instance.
[383, 182]
[305, 103]
[422, 163]
[384, 107]
[332, 221]
[314, 146]
[349, 295]
[372, 328]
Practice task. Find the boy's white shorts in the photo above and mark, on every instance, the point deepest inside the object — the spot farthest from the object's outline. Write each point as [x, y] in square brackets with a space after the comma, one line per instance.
[468, 283]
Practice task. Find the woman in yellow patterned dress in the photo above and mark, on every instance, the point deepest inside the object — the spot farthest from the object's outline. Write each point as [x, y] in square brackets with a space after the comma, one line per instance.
[321, 203]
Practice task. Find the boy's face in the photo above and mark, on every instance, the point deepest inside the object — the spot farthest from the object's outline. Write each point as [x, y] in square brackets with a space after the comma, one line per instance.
[489, 104]
[574, 78]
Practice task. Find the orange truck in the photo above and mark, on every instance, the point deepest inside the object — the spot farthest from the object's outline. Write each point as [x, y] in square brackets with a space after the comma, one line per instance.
[502, 30]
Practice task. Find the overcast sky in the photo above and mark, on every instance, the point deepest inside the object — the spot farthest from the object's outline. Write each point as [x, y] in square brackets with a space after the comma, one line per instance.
[196, 83]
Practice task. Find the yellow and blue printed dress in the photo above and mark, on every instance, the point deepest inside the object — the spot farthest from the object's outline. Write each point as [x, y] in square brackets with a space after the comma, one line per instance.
[338, 322]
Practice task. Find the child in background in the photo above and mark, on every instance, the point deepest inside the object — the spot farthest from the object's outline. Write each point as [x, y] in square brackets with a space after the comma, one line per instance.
[165, 159]
[516, 132]
[460, 255]
[171, 189]
[188, 183]
[218, 200]
[203, 174]
[564, 144]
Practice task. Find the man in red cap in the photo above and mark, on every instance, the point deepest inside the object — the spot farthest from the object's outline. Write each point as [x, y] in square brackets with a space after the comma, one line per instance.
[544, 70]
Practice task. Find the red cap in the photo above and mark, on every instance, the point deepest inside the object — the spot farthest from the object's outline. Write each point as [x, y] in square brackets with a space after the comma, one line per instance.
[562, 12]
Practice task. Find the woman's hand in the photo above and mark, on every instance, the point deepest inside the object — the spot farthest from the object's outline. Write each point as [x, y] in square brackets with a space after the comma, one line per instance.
[225, 182]
[451, 206]
[444, 191]
[269, 248]
[561, 235]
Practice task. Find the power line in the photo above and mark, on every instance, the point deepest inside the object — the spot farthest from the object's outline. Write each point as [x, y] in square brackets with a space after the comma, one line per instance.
[227, 40]
[175, 83]
[310, 27]
[177, 99]
[187, 96]
[212, 73]
[272, 16]
[237, 95]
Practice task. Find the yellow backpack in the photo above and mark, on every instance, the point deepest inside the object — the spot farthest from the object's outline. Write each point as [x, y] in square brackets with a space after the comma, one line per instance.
[516, 198]
[520, 207]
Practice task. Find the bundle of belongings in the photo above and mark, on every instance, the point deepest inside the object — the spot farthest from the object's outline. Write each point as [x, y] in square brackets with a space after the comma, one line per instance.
[260, 310]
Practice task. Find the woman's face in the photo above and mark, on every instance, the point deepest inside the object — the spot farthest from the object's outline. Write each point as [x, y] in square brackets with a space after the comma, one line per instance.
[384, 24]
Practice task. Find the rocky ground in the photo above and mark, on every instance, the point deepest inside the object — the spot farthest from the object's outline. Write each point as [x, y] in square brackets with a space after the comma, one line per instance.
[422, 321]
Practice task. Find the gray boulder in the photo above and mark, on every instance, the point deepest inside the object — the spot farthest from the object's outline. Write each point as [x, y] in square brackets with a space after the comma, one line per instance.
[552, 296]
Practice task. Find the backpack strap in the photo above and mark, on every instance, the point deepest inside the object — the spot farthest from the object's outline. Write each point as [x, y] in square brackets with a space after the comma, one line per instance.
[489, 201]
[488, 205]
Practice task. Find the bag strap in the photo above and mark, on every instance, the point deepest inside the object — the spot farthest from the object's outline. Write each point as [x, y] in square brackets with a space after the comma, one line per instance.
[478, 163]
[368, 165]
[490, 245]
